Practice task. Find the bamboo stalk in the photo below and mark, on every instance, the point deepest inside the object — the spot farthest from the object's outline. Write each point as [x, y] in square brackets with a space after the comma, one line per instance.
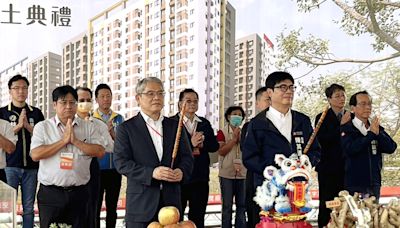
[316, 129]
[178, 134]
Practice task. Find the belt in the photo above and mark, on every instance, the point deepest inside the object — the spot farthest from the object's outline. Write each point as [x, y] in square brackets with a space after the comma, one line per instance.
[64, 188]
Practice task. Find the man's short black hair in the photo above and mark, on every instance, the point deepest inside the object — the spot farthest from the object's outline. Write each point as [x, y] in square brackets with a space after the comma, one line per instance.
[231, 109]
[260, 91]
[84, 89]
[276, 77]
[99, 87]
[353, 98]
[62, 91]
[332, 88]
[188, 90]
[17, 78]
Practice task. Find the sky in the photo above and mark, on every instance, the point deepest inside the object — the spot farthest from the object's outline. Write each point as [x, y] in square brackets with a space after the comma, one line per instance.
[268, 17]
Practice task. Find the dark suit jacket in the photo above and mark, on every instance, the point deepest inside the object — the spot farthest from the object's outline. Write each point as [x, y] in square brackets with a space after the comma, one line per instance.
[201, 169]
[363, 166]
[263, 141]
[332, 158]
[135, 157]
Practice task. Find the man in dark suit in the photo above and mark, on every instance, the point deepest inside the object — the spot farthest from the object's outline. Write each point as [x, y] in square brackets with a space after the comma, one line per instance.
[277, 130]
[331, 166]
[195, 191]
[143, 153]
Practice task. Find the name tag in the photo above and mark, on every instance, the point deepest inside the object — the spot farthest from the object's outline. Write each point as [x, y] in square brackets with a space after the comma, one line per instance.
[66, 160]
[332, 203]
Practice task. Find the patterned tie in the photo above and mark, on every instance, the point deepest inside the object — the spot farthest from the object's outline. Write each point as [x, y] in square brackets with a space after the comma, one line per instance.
[339, 116]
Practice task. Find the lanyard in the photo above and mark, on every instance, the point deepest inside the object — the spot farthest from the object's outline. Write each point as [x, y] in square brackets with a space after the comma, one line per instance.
[155, 131]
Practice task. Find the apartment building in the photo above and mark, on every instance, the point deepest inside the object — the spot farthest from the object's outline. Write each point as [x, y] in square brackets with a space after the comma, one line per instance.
[75, 61]
[185, 43]
[20, 67]
[44, 75]
[253, 63]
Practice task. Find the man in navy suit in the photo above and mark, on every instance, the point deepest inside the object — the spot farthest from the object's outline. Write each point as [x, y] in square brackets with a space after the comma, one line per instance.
[143, 153]
[278, 129]
[195, 191]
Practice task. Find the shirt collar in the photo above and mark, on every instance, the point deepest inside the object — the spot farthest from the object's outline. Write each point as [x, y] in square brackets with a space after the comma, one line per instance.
[27, 107]
[104, 114]
[360, 125]
[272, 111]
[74, 122]
[148, 119]
[195, 119]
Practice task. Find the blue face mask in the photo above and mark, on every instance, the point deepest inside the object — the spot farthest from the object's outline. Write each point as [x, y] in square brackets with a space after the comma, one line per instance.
[235, 120]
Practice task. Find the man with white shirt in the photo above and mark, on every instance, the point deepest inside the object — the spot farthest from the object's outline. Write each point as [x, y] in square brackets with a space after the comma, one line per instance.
[277, 130]
[363, 143]
[143, 153]
[64, 145]
[7, 145]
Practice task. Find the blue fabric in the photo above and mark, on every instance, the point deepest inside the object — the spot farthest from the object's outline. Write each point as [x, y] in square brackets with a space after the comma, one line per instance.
[28, 180]
[231, 188]
[362, 168]
[106, 162]
[16, 159]
[263, 141]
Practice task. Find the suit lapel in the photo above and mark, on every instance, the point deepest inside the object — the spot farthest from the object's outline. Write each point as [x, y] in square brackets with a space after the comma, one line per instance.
[169, 136]
[146, 135]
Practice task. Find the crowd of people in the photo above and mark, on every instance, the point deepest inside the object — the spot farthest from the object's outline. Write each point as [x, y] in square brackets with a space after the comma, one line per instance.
[78, 156]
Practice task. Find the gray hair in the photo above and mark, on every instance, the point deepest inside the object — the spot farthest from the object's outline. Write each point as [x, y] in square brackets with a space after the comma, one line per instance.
[143, 83]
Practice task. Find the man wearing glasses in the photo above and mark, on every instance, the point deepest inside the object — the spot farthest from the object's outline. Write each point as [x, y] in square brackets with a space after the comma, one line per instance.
[65, 146]
[143, 153]
[277, 130]
[363, 143]
[21, 170]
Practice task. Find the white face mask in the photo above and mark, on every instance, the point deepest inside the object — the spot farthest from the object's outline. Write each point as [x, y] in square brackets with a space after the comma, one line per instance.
[85, 106]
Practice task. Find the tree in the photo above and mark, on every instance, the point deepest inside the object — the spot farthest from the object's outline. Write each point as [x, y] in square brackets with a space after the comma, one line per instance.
[382, 83]
[375, 17]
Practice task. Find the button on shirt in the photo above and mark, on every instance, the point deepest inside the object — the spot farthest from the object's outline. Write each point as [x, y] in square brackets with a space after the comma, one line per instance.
[6, 130]
[283, 122]
[50, 131]
[156, 130]
[360, 126]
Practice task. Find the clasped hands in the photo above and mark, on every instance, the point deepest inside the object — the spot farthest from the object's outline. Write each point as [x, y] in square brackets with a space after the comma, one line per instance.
[167, 174]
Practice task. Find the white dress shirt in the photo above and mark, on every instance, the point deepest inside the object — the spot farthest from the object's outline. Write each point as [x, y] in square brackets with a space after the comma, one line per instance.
[360, 126]
[156, 132]
[191, 126]
[51, 131]
[282, 122]
[6, 130]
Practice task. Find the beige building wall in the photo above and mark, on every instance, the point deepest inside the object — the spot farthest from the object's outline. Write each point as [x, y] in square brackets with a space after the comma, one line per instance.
[252, 66]
[75, 61]
[44, 75]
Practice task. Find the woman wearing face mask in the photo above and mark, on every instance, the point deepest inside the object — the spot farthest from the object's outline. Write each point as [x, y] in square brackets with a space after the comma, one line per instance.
[232, 173]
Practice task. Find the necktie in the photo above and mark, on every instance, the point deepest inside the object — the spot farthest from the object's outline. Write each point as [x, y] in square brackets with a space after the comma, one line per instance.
[339, 116]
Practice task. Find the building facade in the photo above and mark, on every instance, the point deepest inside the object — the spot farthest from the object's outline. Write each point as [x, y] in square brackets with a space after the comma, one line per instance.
[253, 63]
[185, 43]
[75, 61]
[20, 67]
[44, 75]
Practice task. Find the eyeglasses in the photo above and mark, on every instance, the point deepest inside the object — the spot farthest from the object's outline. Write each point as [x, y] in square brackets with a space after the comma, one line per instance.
[191, 101]
[66, 103]
[285, 88]
[153, 94]
[85, 100]
[364, 104]
[19, 88]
